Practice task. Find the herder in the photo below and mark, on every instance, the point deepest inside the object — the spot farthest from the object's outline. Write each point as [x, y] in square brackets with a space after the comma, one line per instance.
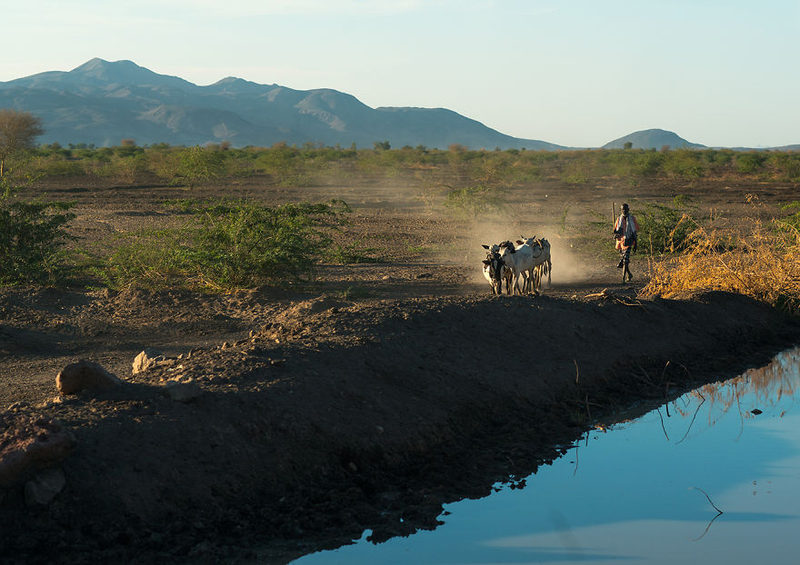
[625, 229]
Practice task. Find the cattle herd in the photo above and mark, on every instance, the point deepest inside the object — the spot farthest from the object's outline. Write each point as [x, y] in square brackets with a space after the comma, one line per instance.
[507, 261]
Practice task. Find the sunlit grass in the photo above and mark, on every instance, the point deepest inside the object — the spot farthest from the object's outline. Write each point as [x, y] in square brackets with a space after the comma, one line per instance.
[763, 264]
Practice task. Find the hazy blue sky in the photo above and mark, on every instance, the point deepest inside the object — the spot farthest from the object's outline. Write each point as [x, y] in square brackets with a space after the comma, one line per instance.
[571, 72]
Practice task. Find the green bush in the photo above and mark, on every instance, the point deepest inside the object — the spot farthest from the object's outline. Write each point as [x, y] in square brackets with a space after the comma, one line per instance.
[32, 237]
[791, 223]
[647, 163]
[148, 259]
[749, 162]
[684, 163]
[198, 164]
[56, 166]
[471, 201]
[284, 164]
[228, 244]
[122, 169]
[787, 165]
[664, 228]
[241, 244]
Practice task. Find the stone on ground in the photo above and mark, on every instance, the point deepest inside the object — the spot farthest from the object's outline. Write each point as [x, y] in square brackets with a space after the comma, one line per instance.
[84, 375]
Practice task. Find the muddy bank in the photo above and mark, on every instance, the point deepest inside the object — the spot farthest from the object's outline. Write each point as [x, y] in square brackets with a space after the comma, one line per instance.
[337, 417]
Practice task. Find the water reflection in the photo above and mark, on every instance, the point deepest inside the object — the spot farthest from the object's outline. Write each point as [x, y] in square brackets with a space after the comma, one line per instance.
[648, 490]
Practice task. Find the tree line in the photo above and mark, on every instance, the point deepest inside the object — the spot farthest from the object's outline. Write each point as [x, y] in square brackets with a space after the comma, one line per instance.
[293, 165]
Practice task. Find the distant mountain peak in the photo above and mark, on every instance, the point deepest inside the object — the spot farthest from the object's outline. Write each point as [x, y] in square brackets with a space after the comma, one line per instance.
[100, 67]
[229, 80]
[98, 63]
[236, 84]
[98, 71]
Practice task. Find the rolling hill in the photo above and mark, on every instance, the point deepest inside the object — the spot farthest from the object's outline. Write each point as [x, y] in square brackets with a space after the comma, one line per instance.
[652, 139]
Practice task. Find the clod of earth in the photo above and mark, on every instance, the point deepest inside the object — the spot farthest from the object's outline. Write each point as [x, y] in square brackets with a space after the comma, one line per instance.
[30, 442]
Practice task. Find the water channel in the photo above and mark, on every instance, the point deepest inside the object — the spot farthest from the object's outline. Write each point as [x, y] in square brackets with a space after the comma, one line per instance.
[712, 477]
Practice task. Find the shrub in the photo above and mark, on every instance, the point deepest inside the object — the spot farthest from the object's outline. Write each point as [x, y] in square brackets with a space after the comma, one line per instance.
[791, 223]
[647, 163]
[284, 164]
[196, 164]
[122, 169]
[474, 200]
[749, 162]
[148, 259]
[663, 228]
[32, 237]
[241, 244]
[55, 165]
[759, 265]
[684, 163]
[787, 165]
[228, 244]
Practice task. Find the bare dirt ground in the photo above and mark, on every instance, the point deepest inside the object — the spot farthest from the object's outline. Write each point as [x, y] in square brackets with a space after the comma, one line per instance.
[363, 401]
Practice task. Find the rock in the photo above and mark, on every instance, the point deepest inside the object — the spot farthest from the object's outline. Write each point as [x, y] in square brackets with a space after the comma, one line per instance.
[148, 358]
[44, 487]
[84, 375]
[182, 392]
[30, 442]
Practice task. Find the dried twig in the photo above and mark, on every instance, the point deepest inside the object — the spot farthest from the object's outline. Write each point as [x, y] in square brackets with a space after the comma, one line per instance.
[663, 373]
[605, 293]
[708, 497]
[663, 427]
[666, 397]
[577, 447]
[741, 416]
[707, 527]
[711, 502]
[693, 417]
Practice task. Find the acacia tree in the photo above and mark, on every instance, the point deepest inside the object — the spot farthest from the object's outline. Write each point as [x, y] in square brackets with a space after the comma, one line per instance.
[18, 130]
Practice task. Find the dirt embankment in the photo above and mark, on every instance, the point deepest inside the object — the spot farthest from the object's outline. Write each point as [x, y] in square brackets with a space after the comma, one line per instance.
[336, 416]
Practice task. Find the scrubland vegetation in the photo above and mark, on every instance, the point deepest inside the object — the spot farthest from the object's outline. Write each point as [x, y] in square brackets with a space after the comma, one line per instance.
[298, 166]
[226, 244]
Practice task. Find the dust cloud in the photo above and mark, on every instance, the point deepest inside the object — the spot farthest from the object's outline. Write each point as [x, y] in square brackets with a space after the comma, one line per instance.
[568, 268]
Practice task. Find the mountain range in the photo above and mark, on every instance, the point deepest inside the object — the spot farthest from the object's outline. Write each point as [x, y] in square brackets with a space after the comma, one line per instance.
[102, 102]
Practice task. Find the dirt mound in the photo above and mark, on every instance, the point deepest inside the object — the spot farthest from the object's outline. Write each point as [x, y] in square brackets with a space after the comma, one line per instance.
[336, 416]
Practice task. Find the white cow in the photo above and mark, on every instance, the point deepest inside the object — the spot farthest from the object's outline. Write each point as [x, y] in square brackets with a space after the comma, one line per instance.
[519, 261]
[542, 258]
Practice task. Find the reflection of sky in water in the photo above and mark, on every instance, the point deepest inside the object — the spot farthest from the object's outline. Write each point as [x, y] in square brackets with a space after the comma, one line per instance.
[631, 495]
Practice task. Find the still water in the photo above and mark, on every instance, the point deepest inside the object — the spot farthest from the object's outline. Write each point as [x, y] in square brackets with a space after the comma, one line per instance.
[644, 491]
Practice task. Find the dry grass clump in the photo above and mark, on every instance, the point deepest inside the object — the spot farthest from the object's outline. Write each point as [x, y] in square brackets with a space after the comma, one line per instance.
[764, 265]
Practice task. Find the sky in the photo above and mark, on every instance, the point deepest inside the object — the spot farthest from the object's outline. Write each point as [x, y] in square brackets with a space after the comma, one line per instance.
[578, 73]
